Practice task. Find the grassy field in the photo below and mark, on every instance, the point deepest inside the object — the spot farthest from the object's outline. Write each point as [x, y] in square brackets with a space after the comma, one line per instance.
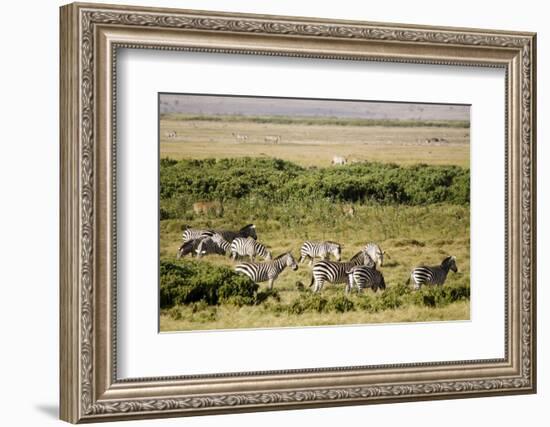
[410, 235]
[316, 144]
[413, 233]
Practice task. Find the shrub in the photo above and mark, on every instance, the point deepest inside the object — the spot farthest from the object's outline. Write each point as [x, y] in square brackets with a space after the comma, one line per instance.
[269, 180]
[189, 282]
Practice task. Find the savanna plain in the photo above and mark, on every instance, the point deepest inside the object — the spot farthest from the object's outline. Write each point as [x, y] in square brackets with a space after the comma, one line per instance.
[405, 186]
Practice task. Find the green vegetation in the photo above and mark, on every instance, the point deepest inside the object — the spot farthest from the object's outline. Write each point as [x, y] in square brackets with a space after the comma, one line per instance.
[261, 183]
[309, 121]
[418, 214]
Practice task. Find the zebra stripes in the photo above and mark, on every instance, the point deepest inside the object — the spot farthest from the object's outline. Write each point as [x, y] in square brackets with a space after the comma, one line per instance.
[188, 247]
[376, 253]
[321, 250]
[365, 277]
[269, 270]
[195, 233]
[336, 272]
[214, 244]
[248, 247]
[247, 231]
[435, 275]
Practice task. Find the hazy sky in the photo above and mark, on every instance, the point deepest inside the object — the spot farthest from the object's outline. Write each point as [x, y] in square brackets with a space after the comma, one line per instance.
[212, 104]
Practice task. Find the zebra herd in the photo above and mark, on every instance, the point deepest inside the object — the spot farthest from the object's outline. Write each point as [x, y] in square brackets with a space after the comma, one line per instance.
[360, 272]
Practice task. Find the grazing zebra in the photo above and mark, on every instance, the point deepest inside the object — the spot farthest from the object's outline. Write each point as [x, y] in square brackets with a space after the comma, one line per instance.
[435, 275]
[214, 244]
[189, 247]
[172, 134]
[365, 277]
[339, 160]
[272, 139]
[269, 270]
[195, 233]
[321, 250]
[240, 137]
[376, 253]
[247, 231]
[335, 272]
[242, 246]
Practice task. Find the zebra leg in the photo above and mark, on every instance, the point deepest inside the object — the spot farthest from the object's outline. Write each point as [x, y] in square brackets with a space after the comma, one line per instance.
[270, 283]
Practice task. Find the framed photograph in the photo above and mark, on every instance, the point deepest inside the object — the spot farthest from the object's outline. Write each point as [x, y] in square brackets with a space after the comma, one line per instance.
[265, 213]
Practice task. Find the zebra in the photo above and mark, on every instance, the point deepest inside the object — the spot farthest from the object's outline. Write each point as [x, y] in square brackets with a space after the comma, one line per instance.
[242, 246]
[268, 270]
[195, 233]
[365, 277]
[272, 139]
[335, 272]
[247, 231]
[189, 247]
[321, 250]
[376, 253]
[214, 244]
[435, 275]
[240, 137]
[339, 160]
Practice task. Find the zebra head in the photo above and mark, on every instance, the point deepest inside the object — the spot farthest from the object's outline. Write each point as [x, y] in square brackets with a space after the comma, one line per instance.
[450, 264]
[291, 262]
[248, 231]
[376, 253]
[336, 250]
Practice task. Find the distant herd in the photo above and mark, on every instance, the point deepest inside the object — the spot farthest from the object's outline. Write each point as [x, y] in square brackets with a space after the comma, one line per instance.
[360, 272]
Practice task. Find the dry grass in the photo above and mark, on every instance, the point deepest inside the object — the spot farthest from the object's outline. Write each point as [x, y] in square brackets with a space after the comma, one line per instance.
[315, 145]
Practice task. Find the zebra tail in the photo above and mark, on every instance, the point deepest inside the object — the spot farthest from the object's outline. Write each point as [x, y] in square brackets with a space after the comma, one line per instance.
[408, 282]
[312, 281]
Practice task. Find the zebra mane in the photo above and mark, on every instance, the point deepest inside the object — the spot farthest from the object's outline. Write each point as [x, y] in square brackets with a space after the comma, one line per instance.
[357, 255]
[247, 226]
[280, 256]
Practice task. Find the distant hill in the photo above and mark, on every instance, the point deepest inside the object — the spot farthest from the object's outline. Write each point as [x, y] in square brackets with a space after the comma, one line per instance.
[258, 106]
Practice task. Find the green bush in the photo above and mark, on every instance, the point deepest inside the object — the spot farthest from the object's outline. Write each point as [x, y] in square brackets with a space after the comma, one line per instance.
[189, 282]
[268, 181]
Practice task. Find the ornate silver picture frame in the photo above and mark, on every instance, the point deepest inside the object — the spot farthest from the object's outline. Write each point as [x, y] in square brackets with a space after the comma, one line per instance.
[91, 35]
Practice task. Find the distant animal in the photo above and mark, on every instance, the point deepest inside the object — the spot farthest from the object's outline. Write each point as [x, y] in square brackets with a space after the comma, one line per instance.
[195, 233]
[339, 160]
[240, 137]
[247, 246]
[348, 210]
[188, 247]
[214, 244]
[376, 253]
[272, 139]
[434, 275]
[335, 272]
[171, 134]
[268, 270]
[247, 231]
[432, 140]
[321, 250]
[204, 207]
[363, 277]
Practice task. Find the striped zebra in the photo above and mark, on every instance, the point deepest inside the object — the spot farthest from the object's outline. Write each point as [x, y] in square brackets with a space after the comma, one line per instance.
[435, 275]
[268, 270]
[214, 244]
[334, 271]
[321, 250]
[247, 231]
[195, 233]
[247, 246]
[188, 247]
[365, 277]
[376, 253]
